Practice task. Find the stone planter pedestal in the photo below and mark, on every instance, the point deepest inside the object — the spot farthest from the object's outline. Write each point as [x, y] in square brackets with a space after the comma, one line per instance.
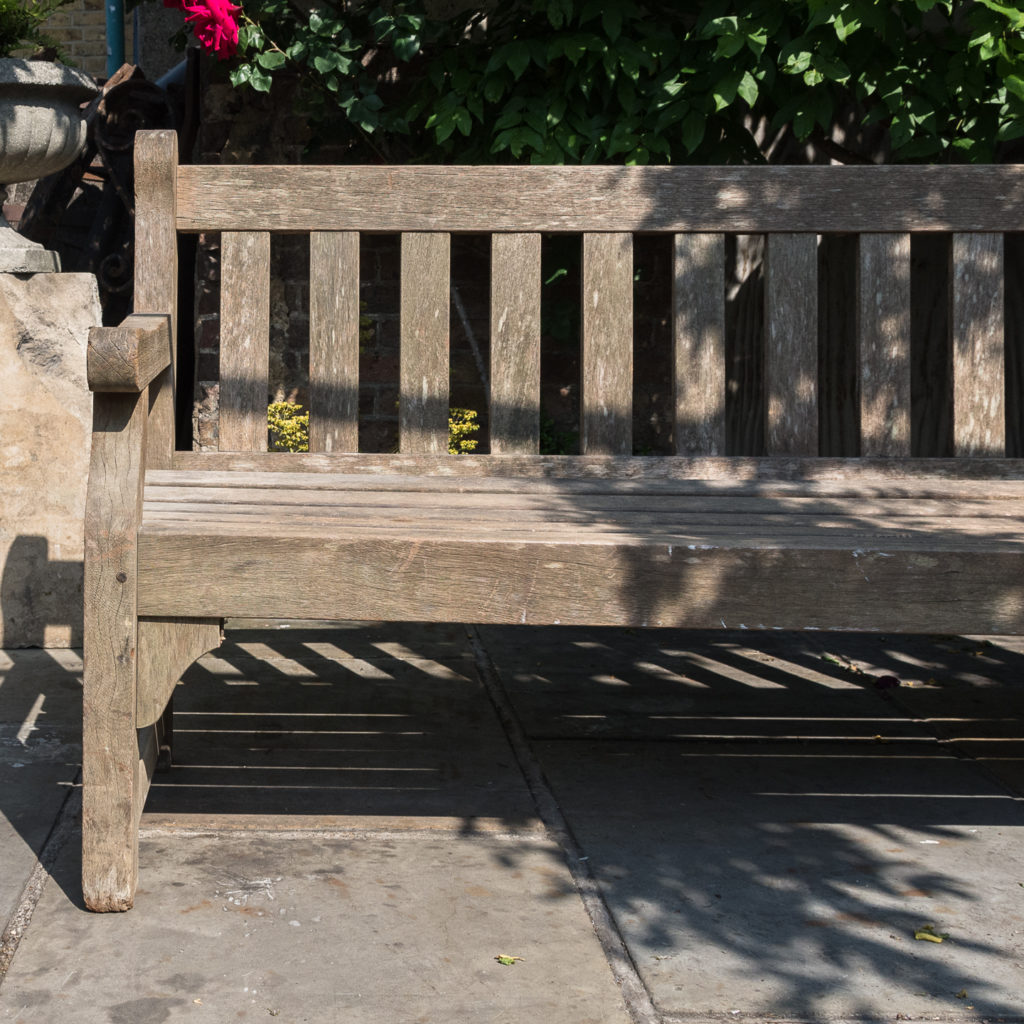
[41, 131]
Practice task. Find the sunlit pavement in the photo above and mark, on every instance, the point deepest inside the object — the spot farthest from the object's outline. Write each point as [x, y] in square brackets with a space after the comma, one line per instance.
[409, 823]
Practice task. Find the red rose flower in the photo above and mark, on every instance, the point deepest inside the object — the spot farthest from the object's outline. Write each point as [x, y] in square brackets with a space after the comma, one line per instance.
[213, 23]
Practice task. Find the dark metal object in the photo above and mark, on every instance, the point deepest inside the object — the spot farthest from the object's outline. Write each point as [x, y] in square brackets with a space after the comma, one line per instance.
[85, 212]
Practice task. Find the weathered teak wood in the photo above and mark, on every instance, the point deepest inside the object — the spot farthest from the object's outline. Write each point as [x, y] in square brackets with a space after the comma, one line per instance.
[166, 648]
[334, 341]
[698, 317]
[606, 398]
[129, 356]
[156, 271]
[791, 344]
[245, 340]
[746, 200]
[765, 560]
[699, 539]
[976, 322]
[423, 385]
[110, 754]
[279, 469]
[883, 343]
[515, 343]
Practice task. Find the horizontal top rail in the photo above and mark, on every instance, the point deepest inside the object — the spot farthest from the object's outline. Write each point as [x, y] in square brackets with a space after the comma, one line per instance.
[746, 200]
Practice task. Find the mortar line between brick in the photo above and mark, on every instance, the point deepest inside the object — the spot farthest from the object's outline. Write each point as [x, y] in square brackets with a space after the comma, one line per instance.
[624, 971]
[60, 832]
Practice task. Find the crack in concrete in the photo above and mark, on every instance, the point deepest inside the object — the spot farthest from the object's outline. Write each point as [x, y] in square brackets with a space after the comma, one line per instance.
[634, 993]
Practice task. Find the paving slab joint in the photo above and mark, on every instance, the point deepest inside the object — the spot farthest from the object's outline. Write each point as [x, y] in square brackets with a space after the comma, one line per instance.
[62, 830]
[634, 993]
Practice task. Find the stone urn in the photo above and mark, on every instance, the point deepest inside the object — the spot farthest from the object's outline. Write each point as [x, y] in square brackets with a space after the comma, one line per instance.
[41, 131]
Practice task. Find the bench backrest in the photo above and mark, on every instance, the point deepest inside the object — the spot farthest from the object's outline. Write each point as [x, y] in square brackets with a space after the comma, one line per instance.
[697, 206]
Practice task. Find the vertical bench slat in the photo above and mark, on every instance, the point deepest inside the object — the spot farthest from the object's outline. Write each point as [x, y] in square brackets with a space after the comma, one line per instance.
[334, 341]
[606, 398]
[156, 273]
[515, 344]
[424, 360]
[791, 344]
[698, 315]
[244, 340]
[976, 323]
[883, 343]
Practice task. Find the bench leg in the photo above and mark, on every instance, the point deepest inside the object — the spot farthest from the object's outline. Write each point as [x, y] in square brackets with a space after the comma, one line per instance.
[112, 770]
[111, 780]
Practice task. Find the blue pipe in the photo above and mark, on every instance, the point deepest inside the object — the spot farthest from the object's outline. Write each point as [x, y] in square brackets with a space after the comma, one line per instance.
[115, 35]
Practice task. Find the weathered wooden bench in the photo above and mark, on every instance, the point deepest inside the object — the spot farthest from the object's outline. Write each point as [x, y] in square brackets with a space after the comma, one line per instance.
[179, 540]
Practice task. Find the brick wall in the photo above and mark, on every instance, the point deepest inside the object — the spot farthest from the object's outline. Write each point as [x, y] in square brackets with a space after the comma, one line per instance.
[80, 30]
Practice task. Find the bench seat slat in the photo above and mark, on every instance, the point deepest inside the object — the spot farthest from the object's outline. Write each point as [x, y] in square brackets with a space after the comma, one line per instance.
[245, 340]
[344, 501]
[755, 528]
[467, 472]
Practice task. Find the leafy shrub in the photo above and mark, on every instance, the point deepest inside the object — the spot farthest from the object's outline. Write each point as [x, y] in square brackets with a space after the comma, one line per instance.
[21, 24]
[288, 428]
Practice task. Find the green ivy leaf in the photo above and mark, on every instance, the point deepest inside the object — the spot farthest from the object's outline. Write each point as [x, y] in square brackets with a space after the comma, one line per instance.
[694, 126]
[1011, 130]
[1015, 85]
[517, 57]
[559, 12]
[259, 80]
[611, 21]
[406, 47]
[240, 75]
[748, 88]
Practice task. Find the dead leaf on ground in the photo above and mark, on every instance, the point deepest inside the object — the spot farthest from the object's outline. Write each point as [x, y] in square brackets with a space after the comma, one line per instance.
[928, 933]
[505, 960]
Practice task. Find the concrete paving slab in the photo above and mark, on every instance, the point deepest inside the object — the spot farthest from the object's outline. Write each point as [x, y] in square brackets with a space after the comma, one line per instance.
[770, 827]
[40, 750]
[320, 928]
[789, 879]
[769, 817]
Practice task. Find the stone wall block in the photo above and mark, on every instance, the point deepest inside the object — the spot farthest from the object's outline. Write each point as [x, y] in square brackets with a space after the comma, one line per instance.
[45, 430]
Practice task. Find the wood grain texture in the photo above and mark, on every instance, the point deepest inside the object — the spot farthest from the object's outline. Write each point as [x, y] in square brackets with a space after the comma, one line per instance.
[629, 471]
[334, 341]
[748, 200]
[515, 344]
[166, 648]
[698, 318]
[129, 356]
[156, 271]
[791, 344]
[425, 326]
[606, 345]
[244, 340]
[883, 343]
[707, 582]
[110, 755]
[976, 324]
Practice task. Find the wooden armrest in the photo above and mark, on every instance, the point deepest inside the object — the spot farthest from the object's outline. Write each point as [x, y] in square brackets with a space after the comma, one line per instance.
[129, 356]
